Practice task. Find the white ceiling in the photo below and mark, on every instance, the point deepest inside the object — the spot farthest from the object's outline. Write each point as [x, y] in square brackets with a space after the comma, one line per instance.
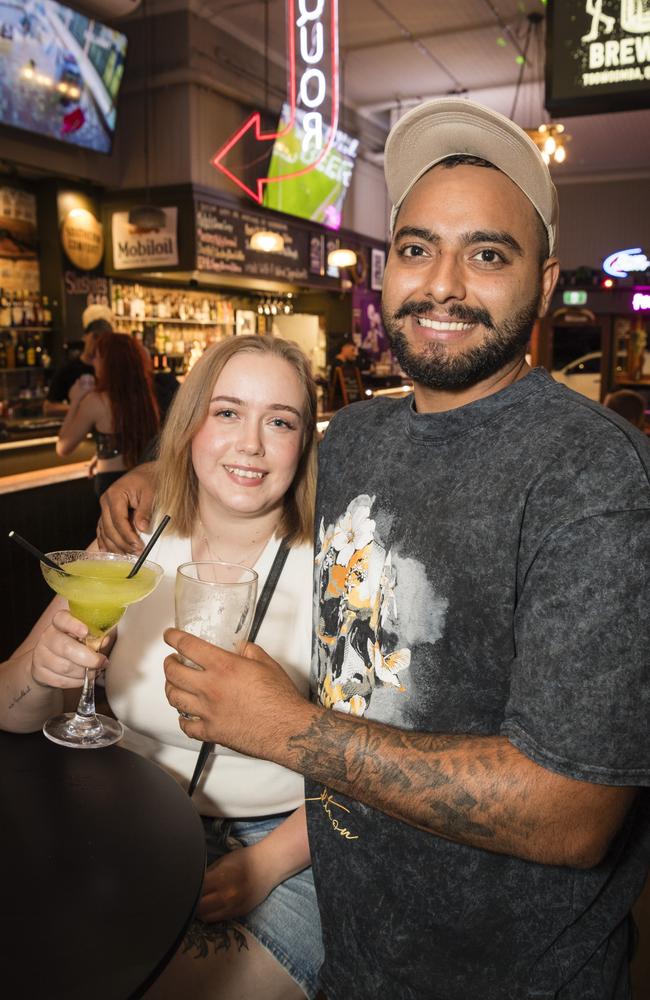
[397, 52]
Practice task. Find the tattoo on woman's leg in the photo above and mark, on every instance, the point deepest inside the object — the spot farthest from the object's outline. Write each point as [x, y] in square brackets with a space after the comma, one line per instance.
[201, 937]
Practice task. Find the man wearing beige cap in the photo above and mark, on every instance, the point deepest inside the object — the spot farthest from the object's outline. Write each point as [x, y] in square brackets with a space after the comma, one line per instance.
[95, 319]
[477, 749]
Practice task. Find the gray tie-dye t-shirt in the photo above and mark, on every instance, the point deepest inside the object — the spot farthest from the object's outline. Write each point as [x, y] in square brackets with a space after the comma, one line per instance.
[483, 571]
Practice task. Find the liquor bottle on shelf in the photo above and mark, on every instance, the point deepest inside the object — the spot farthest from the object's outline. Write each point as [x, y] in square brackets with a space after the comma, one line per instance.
[28, 309]
[10, 348]
[30, 352]
[137, 304]
[118, 301]
[46, 312]
[16, 310]
[3, 351]
[21, 356]
[5, 309]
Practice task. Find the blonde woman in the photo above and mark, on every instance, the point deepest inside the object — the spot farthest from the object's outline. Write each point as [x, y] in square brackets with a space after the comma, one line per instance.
[237, 474]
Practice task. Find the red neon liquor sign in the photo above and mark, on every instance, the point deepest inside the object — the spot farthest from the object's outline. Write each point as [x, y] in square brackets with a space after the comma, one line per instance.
[313, 86]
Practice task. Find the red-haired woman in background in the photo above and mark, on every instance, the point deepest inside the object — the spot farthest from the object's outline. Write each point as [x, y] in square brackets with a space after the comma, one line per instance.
[120, 410]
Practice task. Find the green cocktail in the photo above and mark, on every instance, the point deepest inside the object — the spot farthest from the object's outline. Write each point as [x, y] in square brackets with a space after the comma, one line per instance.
[98, 592]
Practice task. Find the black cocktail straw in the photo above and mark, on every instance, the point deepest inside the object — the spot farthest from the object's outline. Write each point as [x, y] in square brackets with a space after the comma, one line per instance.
[36, 552]
[150, 544]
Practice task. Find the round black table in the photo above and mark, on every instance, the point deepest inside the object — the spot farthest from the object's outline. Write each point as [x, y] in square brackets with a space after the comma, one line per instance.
[102, 858]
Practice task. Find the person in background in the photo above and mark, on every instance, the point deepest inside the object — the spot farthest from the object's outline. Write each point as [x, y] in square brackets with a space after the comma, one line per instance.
[346, 355]
[628, 404]
[345, 358]
[237, 474]
[95, 320]
[120, 411]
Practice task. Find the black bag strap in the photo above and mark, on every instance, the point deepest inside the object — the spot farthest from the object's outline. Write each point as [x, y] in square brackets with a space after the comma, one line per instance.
[264, 599]
[263, 602]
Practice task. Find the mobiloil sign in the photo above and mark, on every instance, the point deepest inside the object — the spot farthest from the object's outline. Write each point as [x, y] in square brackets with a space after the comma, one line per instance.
[136, 247]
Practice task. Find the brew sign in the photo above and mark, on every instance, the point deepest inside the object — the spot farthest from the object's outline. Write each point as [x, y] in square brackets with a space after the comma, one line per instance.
[598, 56]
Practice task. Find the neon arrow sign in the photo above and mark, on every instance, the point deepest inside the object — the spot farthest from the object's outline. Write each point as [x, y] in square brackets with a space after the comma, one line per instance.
[312, 44]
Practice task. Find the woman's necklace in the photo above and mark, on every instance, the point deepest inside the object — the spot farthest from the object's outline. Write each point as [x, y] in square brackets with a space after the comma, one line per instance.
[248, 559]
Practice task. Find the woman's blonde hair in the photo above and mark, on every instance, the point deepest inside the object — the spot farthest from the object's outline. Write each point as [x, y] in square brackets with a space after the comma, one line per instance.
[177, 493]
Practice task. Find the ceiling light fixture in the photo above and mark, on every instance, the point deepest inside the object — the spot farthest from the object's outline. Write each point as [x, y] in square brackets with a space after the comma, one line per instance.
[342, 257]
[550, 139]
[267, 241]
[147, 217]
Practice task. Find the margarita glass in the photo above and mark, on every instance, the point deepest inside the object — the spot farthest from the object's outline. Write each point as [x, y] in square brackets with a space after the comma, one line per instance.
[98, 592]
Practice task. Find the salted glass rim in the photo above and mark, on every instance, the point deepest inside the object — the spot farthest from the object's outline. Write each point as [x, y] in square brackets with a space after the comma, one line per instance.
[87, 555]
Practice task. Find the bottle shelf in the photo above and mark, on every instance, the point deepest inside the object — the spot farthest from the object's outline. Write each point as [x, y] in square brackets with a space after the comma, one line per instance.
[23, 368]
[25, 329]
[172, 322]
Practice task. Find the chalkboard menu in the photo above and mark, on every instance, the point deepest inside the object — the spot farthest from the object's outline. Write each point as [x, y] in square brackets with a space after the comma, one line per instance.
[223, 244]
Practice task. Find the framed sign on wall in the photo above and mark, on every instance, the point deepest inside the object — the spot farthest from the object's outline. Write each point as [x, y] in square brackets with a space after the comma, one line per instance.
[597, 56]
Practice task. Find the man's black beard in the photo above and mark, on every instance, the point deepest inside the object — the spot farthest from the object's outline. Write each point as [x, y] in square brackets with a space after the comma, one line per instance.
[436, 368]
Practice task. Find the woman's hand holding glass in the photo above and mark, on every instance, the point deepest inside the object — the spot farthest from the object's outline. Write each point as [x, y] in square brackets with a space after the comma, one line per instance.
[60, 658]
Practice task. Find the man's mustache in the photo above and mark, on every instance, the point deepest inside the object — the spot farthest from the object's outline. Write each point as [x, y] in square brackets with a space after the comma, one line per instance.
[456, 311]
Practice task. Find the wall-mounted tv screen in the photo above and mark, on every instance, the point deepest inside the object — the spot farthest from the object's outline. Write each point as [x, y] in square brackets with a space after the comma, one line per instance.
[319, 194]
[598, 56]
[60, 73]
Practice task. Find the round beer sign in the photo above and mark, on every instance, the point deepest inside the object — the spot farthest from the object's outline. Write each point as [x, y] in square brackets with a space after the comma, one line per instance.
[83, 239]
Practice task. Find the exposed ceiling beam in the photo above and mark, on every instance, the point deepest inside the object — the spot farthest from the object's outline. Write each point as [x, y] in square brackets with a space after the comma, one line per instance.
[422, 36]
[388, 103]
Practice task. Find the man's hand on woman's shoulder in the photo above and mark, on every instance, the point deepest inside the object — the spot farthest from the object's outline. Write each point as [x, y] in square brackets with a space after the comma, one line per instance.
[126, 509]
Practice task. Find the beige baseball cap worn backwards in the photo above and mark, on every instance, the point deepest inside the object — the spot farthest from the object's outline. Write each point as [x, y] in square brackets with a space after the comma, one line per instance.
[447, 127]
[92, 313]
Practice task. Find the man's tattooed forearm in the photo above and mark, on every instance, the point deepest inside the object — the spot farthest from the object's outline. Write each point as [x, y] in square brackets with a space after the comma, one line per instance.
[458, 786]
[19, 697]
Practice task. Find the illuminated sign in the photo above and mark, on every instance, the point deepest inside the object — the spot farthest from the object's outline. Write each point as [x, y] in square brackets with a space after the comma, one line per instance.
[621, 262]
[82, 238]
[574, 298]
[598, 56]
[135, 246]
[313, 87]
[640, 302]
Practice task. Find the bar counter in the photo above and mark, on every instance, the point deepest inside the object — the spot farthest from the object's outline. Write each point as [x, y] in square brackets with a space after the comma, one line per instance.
[51, 502]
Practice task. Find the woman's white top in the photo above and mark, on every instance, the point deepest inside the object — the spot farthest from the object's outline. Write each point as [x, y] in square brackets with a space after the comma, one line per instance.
[232, 785]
